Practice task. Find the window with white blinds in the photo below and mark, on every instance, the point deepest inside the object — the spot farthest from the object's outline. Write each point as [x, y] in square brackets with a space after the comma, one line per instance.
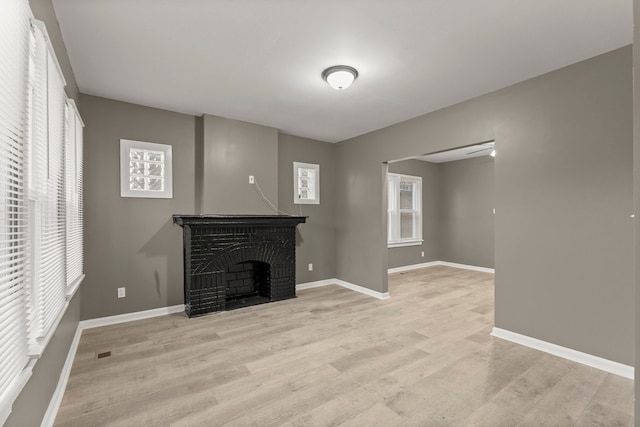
[14, 214]
[73, 162]
[404, 214]
[40, 196]
[49, 206]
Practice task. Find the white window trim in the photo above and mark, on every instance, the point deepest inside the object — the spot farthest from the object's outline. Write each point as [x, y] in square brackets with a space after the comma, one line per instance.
[315, 171]
[407, 242]
[394, 199]
[125, 191]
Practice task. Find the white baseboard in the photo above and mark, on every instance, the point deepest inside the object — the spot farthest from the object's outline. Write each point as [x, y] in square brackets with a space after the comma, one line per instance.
[467, 267]
[362, 289]
[56, 399]
[351, 286]
[316, 284]
[566, 353]
[434, 263]
[130, 317]
[413, 267]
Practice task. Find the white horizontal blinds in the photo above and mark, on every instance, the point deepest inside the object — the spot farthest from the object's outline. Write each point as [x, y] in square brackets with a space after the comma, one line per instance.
[38, 141]
[73, 177]
[408, 211]
[52, 279]
[404, 209]
[392, 210]
[14, 219]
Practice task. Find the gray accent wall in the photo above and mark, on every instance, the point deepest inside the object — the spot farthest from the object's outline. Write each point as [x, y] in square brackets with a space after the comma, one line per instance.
[315, 239]
[563, 189]
[409, 255]
[636, 191]
[466, 211]
[232, 150]
[131, 242]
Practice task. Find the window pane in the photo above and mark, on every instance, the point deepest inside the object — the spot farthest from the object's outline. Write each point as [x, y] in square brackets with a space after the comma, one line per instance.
[155, 169]
[136, 154]
[406, 225]
[136, 168]
[406, 195]
[155, 156]
[136, 183]
[156, 184]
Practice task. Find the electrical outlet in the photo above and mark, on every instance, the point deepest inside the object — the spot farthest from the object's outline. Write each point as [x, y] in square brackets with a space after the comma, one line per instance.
[252, 180]
[121, 292]
[422, 254]
[310, 267]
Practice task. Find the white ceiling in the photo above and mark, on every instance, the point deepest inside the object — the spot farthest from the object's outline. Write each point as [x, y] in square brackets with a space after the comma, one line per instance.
[260, 61]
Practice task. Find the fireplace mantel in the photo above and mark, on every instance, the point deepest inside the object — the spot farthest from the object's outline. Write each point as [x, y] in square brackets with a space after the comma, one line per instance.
[216, 245]
[211, 219]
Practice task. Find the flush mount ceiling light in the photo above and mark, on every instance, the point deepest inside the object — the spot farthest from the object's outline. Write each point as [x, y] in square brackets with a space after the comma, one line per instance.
[340, 77]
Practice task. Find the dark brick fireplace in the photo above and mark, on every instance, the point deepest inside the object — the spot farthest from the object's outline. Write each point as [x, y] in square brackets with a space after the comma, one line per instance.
[233, 261]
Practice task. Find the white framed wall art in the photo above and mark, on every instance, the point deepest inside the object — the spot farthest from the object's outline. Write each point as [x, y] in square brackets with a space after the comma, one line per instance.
[306, 184]
[145, 170]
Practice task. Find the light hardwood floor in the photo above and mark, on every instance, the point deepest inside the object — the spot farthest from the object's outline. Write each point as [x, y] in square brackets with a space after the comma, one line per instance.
[336, 357]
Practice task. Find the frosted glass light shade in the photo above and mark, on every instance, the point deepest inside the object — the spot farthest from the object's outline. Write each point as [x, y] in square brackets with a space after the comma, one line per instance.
[340, 77]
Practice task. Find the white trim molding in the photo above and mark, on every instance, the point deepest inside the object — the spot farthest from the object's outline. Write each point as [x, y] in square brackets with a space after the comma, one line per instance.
[413, 267]
[362, 289]
[347, 285]
[566, 353]
[316, 284]
[130, 317]
[435, 263]
[56, 399]
[467, 267]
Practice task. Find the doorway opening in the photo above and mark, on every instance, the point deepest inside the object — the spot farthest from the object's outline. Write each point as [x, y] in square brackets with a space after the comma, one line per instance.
[456, 211]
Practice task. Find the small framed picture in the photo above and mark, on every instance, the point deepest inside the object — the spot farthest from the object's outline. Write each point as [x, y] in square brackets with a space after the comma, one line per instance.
[145, 170]
[306, 184]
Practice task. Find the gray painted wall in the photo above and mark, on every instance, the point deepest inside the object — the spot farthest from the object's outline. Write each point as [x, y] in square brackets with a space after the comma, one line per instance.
[132, 242]
[316, 238]
[232, 151]
[408, 255]
[466, 211]
[32, 403]
[636, 169]
[563, 240]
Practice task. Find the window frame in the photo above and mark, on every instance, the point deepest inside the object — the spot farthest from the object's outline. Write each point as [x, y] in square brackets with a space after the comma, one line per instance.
[394, 211]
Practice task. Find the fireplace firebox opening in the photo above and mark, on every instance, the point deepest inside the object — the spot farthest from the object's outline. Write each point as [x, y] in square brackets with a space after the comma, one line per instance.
[247, 283]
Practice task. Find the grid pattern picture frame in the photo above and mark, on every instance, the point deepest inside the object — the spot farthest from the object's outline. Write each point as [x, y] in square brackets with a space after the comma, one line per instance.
[306, 183]
[145, 169]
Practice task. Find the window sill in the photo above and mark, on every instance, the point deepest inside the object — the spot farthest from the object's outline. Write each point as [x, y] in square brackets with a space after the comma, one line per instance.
[405, 243]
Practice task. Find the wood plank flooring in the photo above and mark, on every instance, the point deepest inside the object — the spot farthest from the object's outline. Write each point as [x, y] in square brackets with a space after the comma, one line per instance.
[336, 357]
